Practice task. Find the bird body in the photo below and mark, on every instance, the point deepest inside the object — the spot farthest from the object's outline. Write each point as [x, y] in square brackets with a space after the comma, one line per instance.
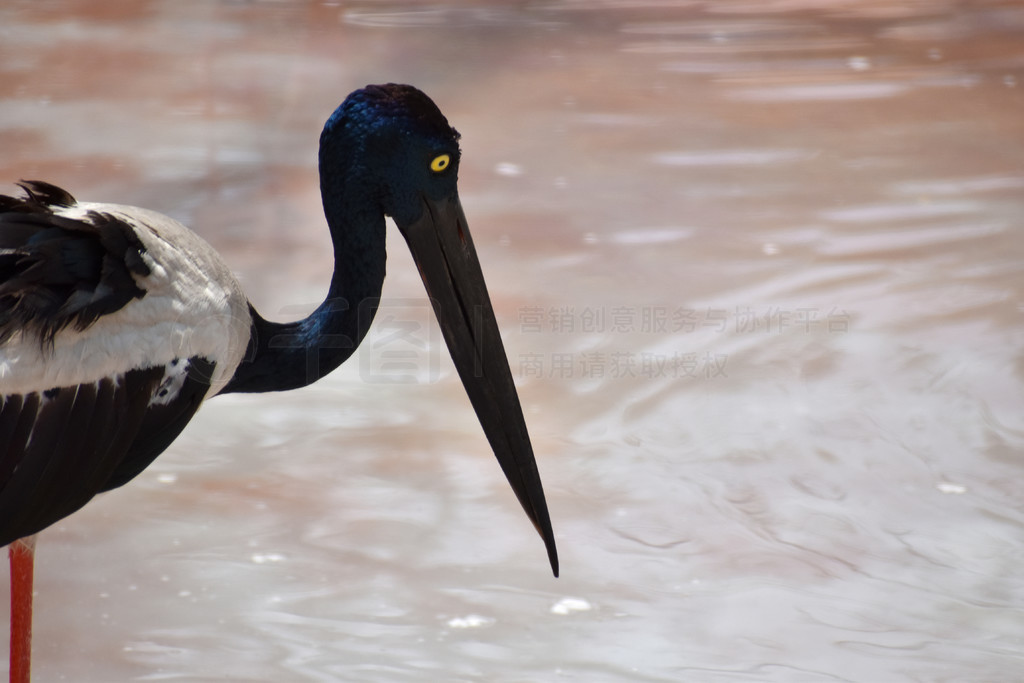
[117, 322]
[128, 381]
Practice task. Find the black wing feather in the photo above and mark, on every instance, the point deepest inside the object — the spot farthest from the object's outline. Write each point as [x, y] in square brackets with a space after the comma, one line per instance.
[162, 423]
[68, 444]
[56, 271]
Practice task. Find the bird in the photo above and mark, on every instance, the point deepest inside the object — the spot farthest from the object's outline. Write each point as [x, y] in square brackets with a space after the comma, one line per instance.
[117, 323]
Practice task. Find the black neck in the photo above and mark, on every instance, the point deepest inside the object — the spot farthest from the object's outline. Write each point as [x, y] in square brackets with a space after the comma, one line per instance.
[285, 356]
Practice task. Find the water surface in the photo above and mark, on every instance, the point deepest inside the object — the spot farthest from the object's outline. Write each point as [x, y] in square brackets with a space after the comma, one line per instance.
[758, 267]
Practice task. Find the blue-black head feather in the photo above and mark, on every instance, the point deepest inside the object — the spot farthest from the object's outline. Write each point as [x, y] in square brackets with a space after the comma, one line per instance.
[382, 106]
[380, 143]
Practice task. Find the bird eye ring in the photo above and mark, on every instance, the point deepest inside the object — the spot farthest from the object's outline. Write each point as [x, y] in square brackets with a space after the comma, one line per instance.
[440, 163]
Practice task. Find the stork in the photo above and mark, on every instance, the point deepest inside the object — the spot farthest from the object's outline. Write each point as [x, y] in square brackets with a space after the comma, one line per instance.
[116, 323]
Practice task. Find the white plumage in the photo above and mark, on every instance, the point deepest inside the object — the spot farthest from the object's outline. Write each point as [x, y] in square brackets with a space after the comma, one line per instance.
[193, 307]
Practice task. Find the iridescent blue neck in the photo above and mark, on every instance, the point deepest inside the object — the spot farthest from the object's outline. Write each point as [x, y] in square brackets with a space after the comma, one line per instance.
[285, 356]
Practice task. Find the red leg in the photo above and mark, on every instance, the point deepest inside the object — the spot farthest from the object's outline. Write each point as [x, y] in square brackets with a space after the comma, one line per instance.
[22, 555]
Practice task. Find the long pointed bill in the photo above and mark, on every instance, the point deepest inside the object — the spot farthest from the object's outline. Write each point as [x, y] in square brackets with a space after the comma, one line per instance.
[443, 250]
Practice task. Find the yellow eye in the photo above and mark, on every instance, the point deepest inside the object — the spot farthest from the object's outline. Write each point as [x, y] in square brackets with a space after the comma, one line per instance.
[440, 163]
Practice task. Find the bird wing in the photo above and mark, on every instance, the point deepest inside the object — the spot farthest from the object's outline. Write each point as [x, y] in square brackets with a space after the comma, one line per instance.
[62, 446]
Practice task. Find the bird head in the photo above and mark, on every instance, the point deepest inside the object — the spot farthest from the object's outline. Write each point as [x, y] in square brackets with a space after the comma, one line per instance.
[398, 148]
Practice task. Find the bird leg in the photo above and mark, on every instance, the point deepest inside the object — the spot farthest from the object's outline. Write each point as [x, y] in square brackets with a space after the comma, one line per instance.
[22, 554]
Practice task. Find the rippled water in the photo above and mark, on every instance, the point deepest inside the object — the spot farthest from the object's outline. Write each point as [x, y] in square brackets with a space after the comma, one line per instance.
[759, 272]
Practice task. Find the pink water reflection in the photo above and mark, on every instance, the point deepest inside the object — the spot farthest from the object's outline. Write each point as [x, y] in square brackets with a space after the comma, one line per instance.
[758, 270]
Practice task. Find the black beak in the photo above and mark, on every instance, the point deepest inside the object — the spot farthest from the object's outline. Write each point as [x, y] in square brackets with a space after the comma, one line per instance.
[443, 251]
